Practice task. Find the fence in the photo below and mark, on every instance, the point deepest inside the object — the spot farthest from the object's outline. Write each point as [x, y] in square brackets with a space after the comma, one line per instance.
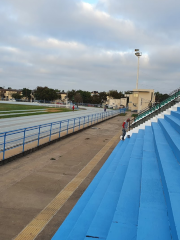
[20, 140]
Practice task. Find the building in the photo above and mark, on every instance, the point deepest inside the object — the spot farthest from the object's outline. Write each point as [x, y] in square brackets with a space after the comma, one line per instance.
[6, 94]
[62, 96]
[117, 103]
[94, 93]
[140, 98]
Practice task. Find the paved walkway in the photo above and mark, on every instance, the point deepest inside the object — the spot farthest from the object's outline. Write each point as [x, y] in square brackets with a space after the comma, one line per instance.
[30, 184]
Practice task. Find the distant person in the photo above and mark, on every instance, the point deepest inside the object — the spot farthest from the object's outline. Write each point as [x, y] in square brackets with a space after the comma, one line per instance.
[73, 107]
[125, 128]
[104, 109]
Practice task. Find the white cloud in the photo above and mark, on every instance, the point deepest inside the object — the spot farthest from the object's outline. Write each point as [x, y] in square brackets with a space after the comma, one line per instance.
[78, 45]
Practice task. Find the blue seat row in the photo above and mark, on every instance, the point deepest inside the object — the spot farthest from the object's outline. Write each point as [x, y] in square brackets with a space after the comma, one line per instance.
[136, 194]
[77, 223]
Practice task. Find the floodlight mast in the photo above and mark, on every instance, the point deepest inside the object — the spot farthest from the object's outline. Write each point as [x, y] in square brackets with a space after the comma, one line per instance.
[138, 54]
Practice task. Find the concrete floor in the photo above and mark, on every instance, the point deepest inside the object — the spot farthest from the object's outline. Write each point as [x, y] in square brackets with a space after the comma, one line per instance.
[30, 183]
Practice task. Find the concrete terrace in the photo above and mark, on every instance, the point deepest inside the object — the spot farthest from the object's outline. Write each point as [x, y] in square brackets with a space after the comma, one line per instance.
[28, 185]
[136, 193]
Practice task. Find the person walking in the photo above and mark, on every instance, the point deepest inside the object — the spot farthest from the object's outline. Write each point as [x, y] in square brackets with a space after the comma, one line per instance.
[73, 107]
[125, 128]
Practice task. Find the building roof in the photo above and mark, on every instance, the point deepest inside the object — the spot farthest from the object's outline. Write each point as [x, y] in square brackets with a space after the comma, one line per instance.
[143, 90]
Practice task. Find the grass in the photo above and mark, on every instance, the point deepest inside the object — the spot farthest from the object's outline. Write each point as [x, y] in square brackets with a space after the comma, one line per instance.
[122, 114]
[19, 111]
[12, 107]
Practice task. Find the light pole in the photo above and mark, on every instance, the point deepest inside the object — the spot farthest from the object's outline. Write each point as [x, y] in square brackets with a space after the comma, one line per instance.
[138, 54]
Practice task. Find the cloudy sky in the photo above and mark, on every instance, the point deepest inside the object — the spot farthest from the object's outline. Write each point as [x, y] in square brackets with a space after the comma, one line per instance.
[89, 45]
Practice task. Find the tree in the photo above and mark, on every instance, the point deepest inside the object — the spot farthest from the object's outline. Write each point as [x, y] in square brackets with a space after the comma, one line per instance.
[71, 94]
[86, 96]
[16, 96]
[77, 98]
[45, 93]
[159, 97]
[128, 92]
[26, 93]
[103, 96]
[115, 94]
[96, 99]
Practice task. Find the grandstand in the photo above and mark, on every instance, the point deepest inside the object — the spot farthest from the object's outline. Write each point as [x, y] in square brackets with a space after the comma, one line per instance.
[136, 194]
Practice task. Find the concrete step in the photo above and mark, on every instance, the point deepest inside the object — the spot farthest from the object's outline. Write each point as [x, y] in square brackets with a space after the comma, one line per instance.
[170, 177]
[174, 121]
[104, 215]
[125, 220]
[136, 194]
[172, 136]
[153, 222]
[79, 231]
[176, 114]
[77, 223]
[71, 219]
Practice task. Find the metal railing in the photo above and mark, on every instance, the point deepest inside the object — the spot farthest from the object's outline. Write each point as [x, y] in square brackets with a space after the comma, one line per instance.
[158, 106]
[20, 137]
[174, 91]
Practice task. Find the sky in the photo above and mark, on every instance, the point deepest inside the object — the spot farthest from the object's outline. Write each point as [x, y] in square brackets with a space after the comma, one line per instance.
[90, 44]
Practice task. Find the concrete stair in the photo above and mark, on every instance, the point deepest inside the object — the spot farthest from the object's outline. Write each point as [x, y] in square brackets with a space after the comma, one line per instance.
[136, 194]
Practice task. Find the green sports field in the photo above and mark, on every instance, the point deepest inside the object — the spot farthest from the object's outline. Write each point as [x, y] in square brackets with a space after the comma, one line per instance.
[19, 110]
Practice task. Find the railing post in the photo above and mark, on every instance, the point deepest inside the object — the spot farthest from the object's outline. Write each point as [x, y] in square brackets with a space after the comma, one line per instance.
[67, 127]
[84, 122]
[24, 138]
[59, 129]
[4, 147]
[74, 124]
[39, 134]
[50, 133]
[91, 118]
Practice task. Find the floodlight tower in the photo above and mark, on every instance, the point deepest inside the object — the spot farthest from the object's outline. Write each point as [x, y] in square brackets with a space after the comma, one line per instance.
[138, 54]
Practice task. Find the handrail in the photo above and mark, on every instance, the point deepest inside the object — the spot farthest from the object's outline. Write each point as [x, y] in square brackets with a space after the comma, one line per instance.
[174, 91]
[21, 137]
[158, 105]
[143, 110]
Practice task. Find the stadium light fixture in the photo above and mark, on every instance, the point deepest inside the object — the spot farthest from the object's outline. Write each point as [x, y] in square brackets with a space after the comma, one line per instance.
[138, 54]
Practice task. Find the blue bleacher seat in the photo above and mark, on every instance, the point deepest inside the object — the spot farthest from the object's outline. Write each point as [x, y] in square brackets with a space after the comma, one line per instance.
[136, 194]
